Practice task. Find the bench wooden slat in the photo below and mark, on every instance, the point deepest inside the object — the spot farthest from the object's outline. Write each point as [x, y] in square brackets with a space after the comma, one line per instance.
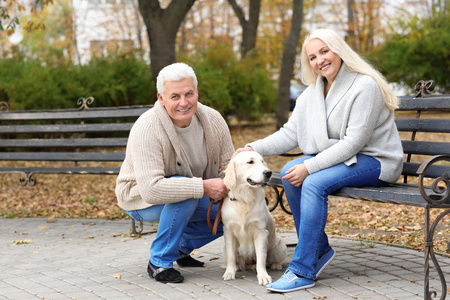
[62, 156]
[413, 104]
[62, 170]
[67, 114]
[395, 193]
[434, 171]
[71, 143]
[66, 128]
[426, 148]
[423, 125]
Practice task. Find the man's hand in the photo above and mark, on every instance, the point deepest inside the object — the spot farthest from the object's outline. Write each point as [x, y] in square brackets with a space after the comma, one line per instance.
[296, 175]
[248, 148]
[214, 188]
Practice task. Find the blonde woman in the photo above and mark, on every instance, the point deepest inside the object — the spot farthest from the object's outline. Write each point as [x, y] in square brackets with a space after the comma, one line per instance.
[344, 124]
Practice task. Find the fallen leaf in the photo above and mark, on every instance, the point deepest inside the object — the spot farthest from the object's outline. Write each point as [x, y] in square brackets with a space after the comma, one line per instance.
[44, 227]
[393, 229]
[117, 276]
[415, 227]
[353, 235]
[21, 242]
[89, 223]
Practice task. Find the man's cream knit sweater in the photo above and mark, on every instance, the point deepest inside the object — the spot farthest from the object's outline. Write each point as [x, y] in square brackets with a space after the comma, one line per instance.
[153, 154]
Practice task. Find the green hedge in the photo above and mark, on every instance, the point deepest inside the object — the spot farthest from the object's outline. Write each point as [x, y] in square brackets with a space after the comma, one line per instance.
[232, 86]
[419, 49]
[238, 87]
[32, 84]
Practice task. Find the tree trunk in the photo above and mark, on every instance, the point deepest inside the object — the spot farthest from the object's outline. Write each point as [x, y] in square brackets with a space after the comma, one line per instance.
[250, 26]
[370, 25]
[162, 27]
[287, 63]
[351, 37]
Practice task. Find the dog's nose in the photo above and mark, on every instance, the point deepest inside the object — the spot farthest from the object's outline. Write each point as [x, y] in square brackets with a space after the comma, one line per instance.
[267, 173]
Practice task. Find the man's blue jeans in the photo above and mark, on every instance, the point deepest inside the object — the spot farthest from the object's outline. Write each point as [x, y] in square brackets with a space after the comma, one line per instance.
[309, 206]
[182, 226]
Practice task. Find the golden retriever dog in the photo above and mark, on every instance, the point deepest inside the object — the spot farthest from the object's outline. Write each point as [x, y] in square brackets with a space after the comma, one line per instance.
[249, 228]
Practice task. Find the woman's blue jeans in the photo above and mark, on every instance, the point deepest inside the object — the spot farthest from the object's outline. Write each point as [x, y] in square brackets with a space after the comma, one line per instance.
[309, 206]
[182, 226]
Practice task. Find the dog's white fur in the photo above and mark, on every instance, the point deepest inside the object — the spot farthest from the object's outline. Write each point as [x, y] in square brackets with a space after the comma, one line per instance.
[249, 228]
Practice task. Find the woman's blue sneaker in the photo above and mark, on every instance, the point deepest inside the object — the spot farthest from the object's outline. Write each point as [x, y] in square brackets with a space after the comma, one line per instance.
[324, 260]
[289, 282]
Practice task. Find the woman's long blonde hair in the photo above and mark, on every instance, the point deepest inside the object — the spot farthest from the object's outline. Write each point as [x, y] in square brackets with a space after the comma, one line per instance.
[353, 60]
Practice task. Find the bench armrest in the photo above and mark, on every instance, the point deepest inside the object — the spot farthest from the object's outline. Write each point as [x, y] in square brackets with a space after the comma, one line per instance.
[291, 154]
[440, 185]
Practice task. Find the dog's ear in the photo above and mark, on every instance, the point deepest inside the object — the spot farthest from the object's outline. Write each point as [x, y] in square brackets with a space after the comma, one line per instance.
[230, 176]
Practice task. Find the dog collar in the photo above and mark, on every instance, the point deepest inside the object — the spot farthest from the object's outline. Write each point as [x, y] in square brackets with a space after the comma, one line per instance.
[231, 198]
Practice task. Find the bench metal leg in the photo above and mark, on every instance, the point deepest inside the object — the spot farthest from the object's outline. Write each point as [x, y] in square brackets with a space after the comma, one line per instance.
[272, 206]
[133, 227]
[282, 205]
[278, 201]
[429, 253]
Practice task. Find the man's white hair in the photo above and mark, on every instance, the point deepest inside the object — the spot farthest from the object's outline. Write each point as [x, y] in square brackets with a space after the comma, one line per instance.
[174, 72]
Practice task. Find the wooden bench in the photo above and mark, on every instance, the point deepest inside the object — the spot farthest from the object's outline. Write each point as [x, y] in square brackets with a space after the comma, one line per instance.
[84, 140]
[425, 178]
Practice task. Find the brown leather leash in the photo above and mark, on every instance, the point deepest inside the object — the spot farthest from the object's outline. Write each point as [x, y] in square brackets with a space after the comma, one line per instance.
[218, 215]
[213, 202]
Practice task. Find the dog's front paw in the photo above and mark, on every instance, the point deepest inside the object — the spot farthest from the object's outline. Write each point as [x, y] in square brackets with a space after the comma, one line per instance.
[228, 275]
[264, 279]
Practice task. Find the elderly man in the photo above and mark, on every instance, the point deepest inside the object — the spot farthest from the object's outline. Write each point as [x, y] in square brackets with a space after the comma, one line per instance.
[172, 169]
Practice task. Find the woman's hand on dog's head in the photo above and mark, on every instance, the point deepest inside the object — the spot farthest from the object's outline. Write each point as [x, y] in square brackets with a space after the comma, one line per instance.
[246, 148]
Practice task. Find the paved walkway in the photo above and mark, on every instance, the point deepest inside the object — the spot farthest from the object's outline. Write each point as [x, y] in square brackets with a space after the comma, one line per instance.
[95, 259]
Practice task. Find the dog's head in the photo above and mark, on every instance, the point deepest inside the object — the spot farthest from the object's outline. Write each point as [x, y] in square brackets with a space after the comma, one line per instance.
[247, 168]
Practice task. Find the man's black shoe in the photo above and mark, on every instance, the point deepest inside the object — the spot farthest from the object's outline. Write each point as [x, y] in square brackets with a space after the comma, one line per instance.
[164, 275]
[185, 260]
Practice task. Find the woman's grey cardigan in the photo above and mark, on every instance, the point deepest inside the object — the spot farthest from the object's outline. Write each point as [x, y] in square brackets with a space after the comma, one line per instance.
[154, 153]
[358, 121]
